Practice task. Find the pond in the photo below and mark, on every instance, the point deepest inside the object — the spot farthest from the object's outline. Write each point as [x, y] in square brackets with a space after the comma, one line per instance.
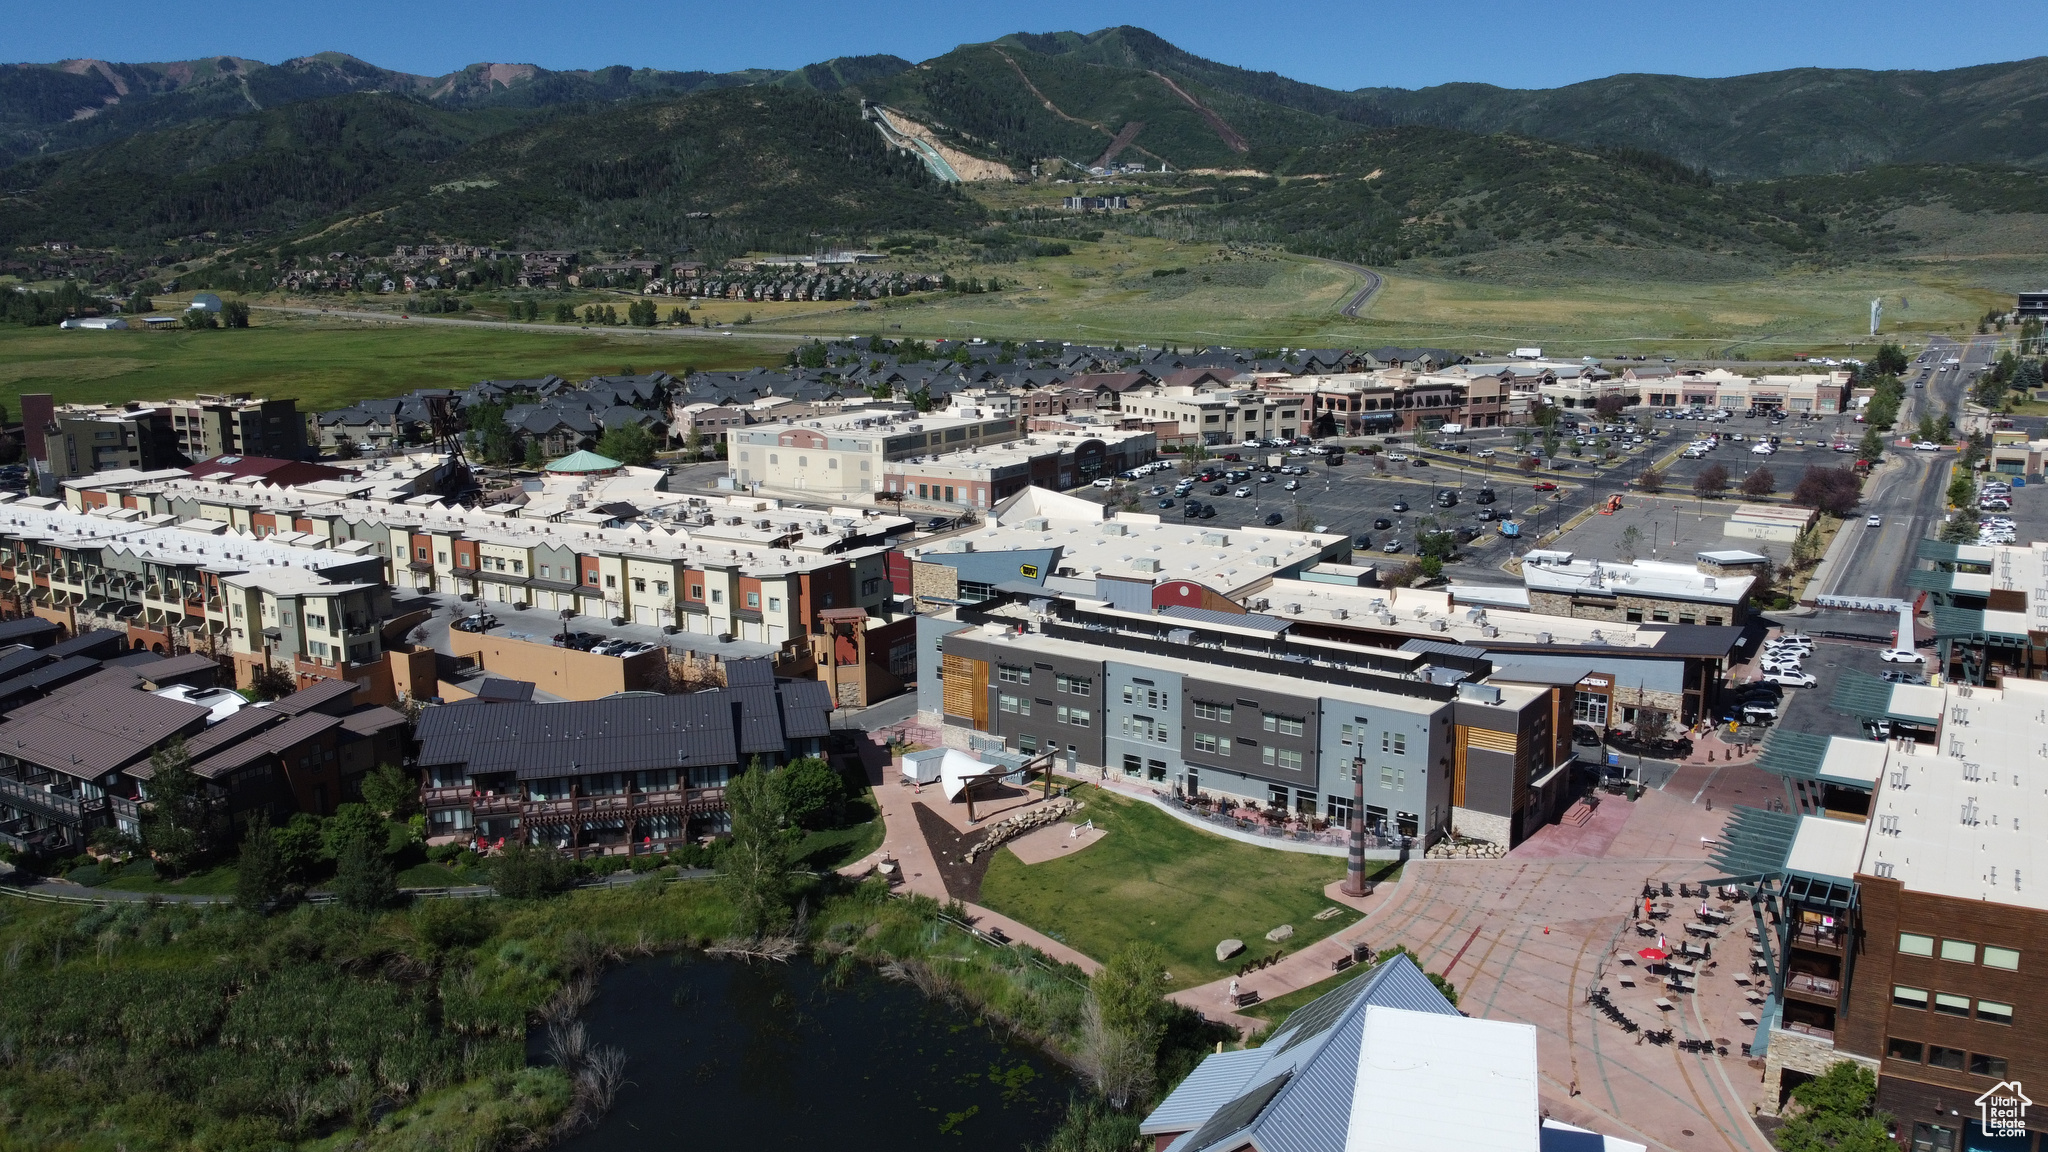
[722, 1054]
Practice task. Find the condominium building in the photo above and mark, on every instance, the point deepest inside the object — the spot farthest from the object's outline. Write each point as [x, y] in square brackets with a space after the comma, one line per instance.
[982, 476]
[1906, 931]
[82, 439]
[1218, 414]
[849, 454]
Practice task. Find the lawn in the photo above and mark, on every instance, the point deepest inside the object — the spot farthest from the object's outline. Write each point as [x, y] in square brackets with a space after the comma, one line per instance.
[328, 364]
[829, 848]
[438, 876]
[1155, 878]
[218, 880]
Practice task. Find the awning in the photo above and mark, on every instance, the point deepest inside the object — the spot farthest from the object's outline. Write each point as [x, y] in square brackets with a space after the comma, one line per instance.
[1754, 844]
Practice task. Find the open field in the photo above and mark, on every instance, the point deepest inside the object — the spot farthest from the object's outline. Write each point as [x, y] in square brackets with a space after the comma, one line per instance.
[325, 364]
[1155, 878]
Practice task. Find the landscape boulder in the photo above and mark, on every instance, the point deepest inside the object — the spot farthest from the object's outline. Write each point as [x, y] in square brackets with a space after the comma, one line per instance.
[1283, 932]
[1227, 949]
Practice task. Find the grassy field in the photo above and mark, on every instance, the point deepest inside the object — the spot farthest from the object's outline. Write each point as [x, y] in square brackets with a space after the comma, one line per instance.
[218, 880]
[1155, 878]
[328, 364]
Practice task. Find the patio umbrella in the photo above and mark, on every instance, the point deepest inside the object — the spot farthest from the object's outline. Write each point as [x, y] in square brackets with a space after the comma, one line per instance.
[1654, 955]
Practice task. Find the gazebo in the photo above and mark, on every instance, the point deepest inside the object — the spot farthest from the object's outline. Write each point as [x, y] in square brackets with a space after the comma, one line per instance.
[584, 463]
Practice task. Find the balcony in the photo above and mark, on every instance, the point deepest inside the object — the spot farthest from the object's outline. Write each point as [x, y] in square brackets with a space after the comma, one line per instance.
[457, 797]
[1816, 936]
[37, 798]
[640, 805]
[1816, 987]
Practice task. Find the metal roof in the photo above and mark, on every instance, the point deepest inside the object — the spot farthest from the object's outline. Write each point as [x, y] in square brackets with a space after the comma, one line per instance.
[88, 734]
[1755, 843]
[1256, 621]
[1298, 1098]
[495, 689]
[1794, 755]
[26, 628]
[750, 673]
[721, 726]
[317, 695]
[1861, 694]
[48, 676]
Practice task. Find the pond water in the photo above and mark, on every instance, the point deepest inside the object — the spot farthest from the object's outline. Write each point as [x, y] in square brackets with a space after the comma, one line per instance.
[722, 1054]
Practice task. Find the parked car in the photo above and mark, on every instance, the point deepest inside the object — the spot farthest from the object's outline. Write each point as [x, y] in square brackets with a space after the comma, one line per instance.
[1400, 505]
[1243, 491]
[1166, 502]
[1543, 486]
[1382, 523]
[1273, 518]
[1485, 496]
[1391, 546]
[1895, 676]
[1901, 656]
[1792, 679]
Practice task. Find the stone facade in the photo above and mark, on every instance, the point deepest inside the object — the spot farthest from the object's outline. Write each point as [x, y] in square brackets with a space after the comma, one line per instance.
[1800, 1052]
[1618, 608]
[1482, 825]
[934, 581]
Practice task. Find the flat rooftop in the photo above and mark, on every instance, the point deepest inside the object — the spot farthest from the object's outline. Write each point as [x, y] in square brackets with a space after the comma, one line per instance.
[1141, 547]
[1964, 817]
[161, 539]
[1561, 572]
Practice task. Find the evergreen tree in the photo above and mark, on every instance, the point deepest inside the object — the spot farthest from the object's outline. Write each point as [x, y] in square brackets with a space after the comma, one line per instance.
[363, 880]
[754, 868]
[183, 818]
[260, 879]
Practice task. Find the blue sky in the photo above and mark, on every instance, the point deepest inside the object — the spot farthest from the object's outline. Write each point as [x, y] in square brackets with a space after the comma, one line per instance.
[1343, 45]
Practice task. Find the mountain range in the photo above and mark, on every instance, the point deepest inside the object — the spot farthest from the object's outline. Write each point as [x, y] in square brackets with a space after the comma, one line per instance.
[1783, 163]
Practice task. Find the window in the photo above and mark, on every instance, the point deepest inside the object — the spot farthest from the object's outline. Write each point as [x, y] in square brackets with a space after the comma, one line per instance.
[462, 560]
[753, 599]
[639, 585]
[1992, 1012]
[1027, 744]
[520, 566]
[2006, 958]
[1021, 705]
[1898, 1049]
[1134, 765]
[440, 557]
[1992, 1066]
[1149, 697]
[1933, 1138]
[1960, 951]
[1949, 1058]
[1220, 713]
[1635, 616]
[1076, 685]
[316, 621]
[803, 461]
[1660, 616]
[1394, 743]
[1078, 717]
[1284, 725]
[1011, 675]
[610, 581]
[1911, 944]
[718, 595]
[1949, 1005]
[1281, 758]
[775, 603]
[1909, 997]
[1214, 745]
[1353, 733]
[696, 590]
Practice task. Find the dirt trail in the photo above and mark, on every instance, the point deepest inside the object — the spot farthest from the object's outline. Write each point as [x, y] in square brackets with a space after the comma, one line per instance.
[1117, 142]
[1232, 139]
[1123, 139]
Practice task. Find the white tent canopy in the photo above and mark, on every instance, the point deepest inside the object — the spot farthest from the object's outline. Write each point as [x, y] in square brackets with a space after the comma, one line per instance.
[950, 768]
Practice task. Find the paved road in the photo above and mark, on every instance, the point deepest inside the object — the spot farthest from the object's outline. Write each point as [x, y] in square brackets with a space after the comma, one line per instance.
[559, 329]
[1358, 300]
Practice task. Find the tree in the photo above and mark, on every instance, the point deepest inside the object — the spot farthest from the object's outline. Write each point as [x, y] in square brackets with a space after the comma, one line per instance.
[198, 319]
[269, 682]
[346, 448]
[1961, 491]
[1712, 481]
[1631, 537]
[565, 313]
[183, 817]
[1761, 482]
[1836, 1114]
[390, 793]
[363, 879]
[754, 868]
[530, 872]
[1958, 530]
[1527, 463]
[628, 444]
[140, 303]
[1890, 360]
[1610, 407]
[535, 458]
[299, 847]
[1651, 480]
[1871, 447]
[693, 444]
[813, 795]
[352, 822]
[1832, 490]
[234, 314]
[1126, 1016]
[260, 879]
[1933, 427]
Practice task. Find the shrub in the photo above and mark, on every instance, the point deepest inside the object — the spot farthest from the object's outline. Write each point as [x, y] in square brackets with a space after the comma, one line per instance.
[529, 872]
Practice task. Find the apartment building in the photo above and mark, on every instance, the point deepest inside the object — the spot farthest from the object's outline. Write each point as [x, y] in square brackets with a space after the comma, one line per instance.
[1713, 590]
[619, 776]
[82, 439]
[850, 454]
[1200, 701]
[79, 746]
[1394, 400]
[1905, 932]
[1219, 414]
[980, 477]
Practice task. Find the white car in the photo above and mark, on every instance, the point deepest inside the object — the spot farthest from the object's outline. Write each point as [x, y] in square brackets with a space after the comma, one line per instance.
[1243, 491]
[1875, 521]
[1485, 453]
[1397, 457]
[1762, 450]
[1926, 446]
[1103, 482]
[1791, 679]
[1901, 656]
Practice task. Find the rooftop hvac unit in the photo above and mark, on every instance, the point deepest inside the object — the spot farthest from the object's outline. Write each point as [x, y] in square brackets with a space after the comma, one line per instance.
[1439, 625]
[1598, 638]
[1489, 631]
[1261, 604]
[1181, 636]
[1294, 609]
[1340, 613]
[1543, 637]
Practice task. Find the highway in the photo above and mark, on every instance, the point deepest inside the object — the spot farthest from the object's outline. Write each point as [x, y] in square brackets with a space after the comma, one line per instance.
[1909, 493]
[1359, 299]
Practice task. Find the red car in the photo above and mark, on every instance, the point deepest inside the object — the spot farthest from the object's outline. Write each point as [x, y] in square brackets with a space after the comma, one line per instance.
[1543, 486]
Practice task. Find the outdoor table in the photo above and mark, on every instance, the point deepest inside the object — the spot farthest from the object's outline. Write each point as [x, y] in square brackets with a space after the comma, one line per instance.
[1664, 1005]
[1707, 930]
[1682, 969]
[1753, 996]
[1627, 981]
[1747, 1018]
[1714, 915]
